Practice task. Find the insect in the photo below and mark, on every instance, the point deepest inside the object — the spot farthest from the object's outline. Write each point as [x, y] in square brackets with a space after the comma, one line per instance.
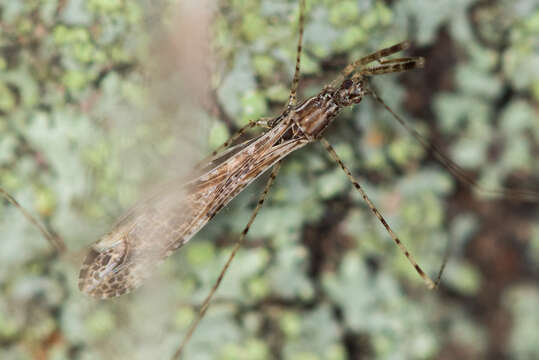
[120, 261]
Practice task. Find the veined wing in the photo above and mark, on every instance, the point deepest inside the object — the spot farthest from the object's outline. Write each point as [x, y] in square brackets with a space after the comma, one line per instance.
[122, 259]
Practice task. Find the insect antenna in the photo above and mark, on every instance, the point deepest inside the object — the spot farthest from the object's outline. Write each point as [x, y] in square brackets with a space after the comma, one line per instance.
[205, 305]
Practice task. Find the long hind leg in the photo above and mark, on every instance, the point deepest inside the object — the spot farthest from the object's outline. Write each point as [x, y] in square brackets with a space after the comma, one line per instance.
[430, 284]
[239, 243]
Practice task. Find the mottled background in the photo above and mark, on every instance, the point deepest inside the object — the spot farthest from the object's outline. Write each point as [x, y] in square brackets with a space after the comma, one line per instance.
[100, 100]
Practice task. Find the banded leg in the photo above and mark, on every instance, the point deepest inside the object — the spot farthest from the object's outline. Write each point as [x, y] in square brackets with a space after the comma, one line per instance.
[239, 243]
[430, 284]
[377, 55]
[55, 241]
[452, 167]
[294, 88]
[393, 66]
[395, 60]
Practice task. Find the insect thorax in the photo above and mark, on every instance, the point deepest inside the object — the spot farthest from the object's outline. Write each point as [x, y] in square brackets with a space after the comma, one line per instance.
[316, 113]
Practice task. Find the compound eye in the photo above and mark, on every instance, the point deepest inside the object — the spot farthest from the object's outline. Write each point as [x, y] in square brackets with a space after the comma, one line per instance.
[347, 84]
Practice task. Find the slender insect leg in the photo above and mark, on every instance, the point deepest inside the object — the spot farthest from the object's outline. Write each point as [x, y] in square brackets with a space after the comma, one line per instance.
[413, 63]
[350, 68]
[294, 88]
[454, 169]
[430, 284]
[55, 241]
[239, 243]
[396, 60]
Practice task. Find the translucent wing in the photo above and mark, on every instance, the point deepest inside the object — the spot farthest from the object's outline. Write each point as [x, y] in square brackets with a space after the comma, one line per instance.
[125, 257]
